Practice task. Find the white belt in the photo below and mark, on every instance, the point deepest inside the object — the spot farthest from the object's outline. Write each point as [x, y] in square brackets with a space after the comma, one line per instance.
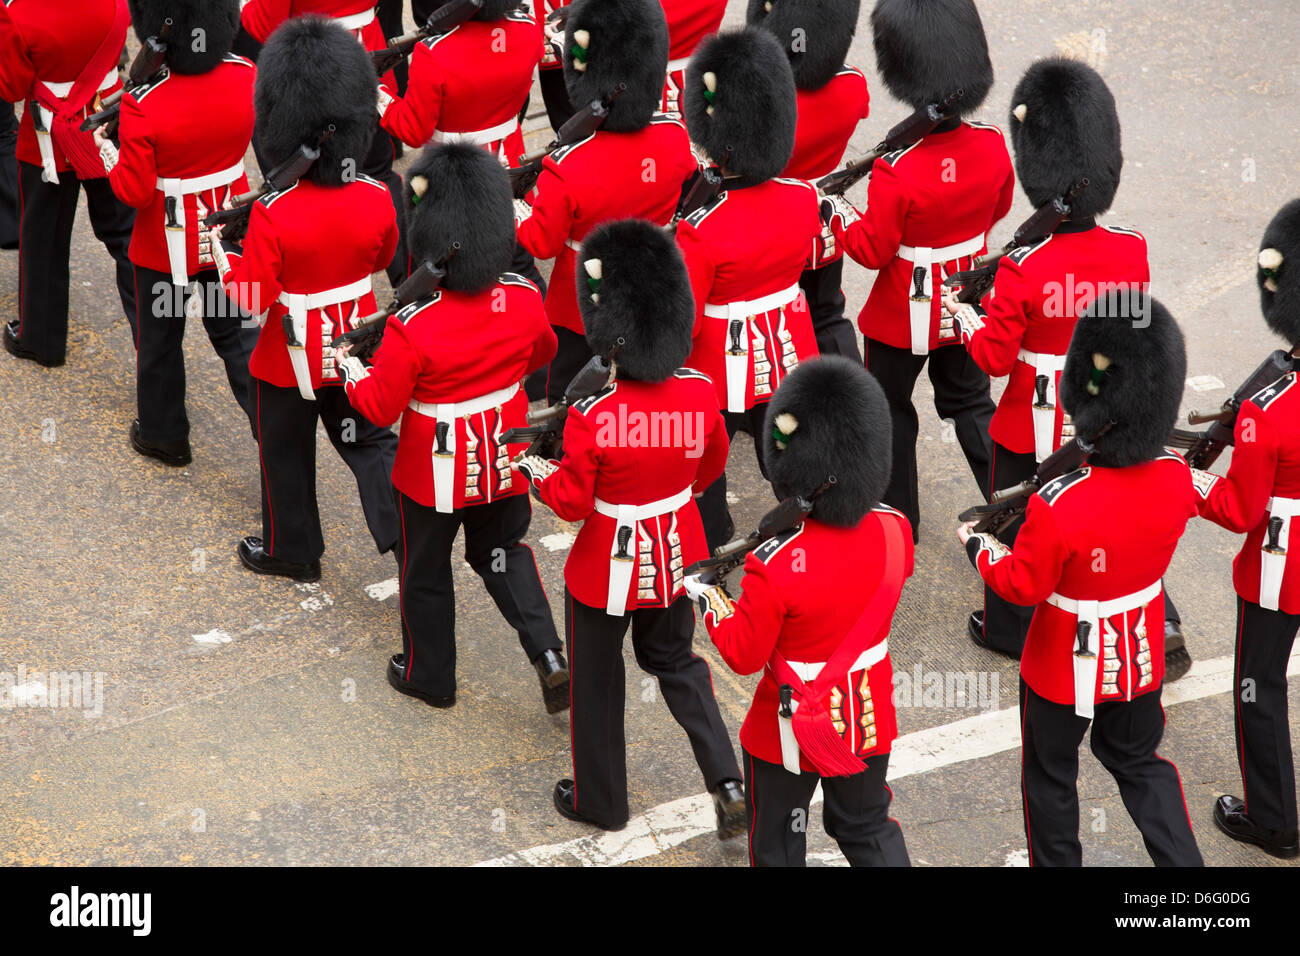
[299, 304]
[1047, 366]
[480, 137]
[49, 168]
[735, 343]
[678, 64]
[178, 189]
[1273, 563]
[1094, 612]
[919, 306]
[808, 673]
[356, 21]
[573, 244]
[444, 445]
[622, 561]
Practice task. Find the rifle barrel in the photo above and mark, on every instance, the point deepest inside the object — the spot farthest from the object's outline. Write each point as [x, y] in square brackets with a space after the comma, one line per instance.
[1223, 416]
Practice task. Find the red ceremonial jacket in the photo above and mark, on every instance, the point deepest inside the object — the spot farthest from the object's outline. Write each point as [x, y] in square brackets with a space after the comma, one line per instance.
[1094, 534]
[1037, 296]
[261, 17]
[455, 347]
[690, 23]
[828, 117]
[1265, 464]
[169, 130]
[606, 176]
[451, 91]
[747, 244]
[541, 10]
[947, 188]
[307, 239]
[632, 444]
[780, 611]
[52, 42]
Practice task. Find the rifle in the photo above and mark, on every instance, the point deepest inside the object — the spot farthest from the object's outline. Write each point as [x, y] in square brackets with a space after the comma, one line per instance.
[1007, 505]
[701, 189]
[546, 425]
[282, 177]
[905, 134]
[147, 63]
[443, 20]
[976, 281]
[1204, 448]
[786, 516]
[575, 129]
[422, 283]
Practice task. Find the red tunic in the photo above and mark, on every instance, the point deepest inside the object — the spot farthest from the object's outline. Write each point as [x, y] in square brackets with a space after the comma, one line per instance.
[452, 348]
[1095, 534]
[1036, 299]
[451, 92]
[295, 243]
[261, 17]
[946, 189]
[780, 611]
[748, 244]
[605, 176]
[541, 10]
[632, 444]
[690, 23]
[828, 117]
[52, 42]
[1265, 465]
[169, 130]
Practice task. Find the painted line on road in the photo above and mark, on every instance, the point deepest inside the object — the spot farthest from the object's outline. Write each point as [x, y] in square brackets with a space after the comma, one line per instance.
[983, 735]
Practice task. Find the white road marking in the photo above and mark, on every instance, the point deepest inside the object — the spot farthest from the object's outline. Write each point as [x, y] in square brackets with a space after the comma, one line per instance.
[561, 541]
[211, 638]
[318, 600]
[1018, 857]
[1205, 383]
[670, 824]
[383, 590]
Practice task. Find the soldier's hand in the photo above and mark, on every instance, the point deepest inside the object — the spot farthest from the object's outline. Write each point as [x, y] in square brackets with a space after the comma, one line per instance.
[386, 100]
[350, 368]
[535, 468]
[707, 592]
[522, 211]
[965, 531]
[965, 317]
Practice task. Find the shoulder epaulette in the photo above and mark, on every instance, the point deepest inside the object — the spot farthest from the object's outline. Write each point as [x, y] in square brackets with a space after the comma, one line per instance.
[984, 126]
[141, 90]
[1170, 455]
[891, 159]
[236, 58]
[1125, 231]
[1272, 393]
[794, 182]
[561, 154]
[513, 278]
[405, 315]
[1054, 489]
[1019, 254]
[371, 181]
[769, 549]
[660, 119]
[885, 509]
[847, 70]
[519, 15]
[690, 373]
[590, 402]
[431, 42]
[707, 209]
[269, 199]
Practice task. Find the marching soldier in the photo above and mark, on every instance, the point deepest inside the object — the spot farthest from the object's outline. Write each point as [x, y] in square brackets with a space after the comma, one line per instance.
[449, 368]
[929, 211]
[180, 160]
[550, 71]
[746, 249]
[632, 167]
[307, 260]
[635, 455]
[832, 99]
[1090, 558]
[61, 59]
[1260, 498]
[816, 610]
[690, 23]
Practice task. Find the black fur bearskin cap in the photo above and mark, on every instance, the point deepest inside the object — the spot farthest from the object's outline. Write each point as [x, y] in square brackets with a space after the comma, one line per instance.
[1064, 128]
[816, 34]
[928, 49]
[1278, 273]
[632, 284]
[1127, 364]
[311, 74]
[458, 192]
[608, 42]
[829, 418]
[202, 32]
[740, 104]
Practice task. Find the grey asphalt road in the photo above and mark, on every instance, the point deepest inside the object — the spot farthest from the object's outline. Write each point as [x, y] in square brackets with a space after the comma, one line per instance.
[246, 720]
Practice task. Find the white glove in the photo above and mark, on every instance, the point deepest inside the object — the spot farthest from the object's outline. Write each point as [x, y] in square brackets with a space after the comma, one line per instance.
[386, 100]
[535, 468]
[553, 37]
[522, 211]
[107, 151]
[218, 251]
[350, 368]
[712, 598]
[838, 213]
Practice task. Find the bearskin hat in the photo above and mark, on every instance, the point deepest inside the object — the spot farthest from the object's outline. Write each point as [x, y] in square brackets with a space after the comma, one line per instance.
[492, 9]
[632, 284]
[216, 20]
[1126, 365]
[608, 42]
[816, 34]
[1279, 273]
[458, 192]
[740, 103]
[313, 74]
[829, 419]
[1064, 128]
[928, 49]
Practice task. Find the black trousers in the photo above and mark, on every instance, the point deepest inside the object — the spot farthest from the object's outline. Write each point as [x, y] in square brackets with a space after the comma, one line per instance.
[8, 177]
[961, 394]
[571, 353]
[389, 14]
[661, 641]
[1264, 641]
[1007, 624]
[286, 435]
[555, 96]
[856, 815]
[714, 511]
[160, 353]
[493, 548]
[835, 334]
[1125, 735]
[48, 212]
